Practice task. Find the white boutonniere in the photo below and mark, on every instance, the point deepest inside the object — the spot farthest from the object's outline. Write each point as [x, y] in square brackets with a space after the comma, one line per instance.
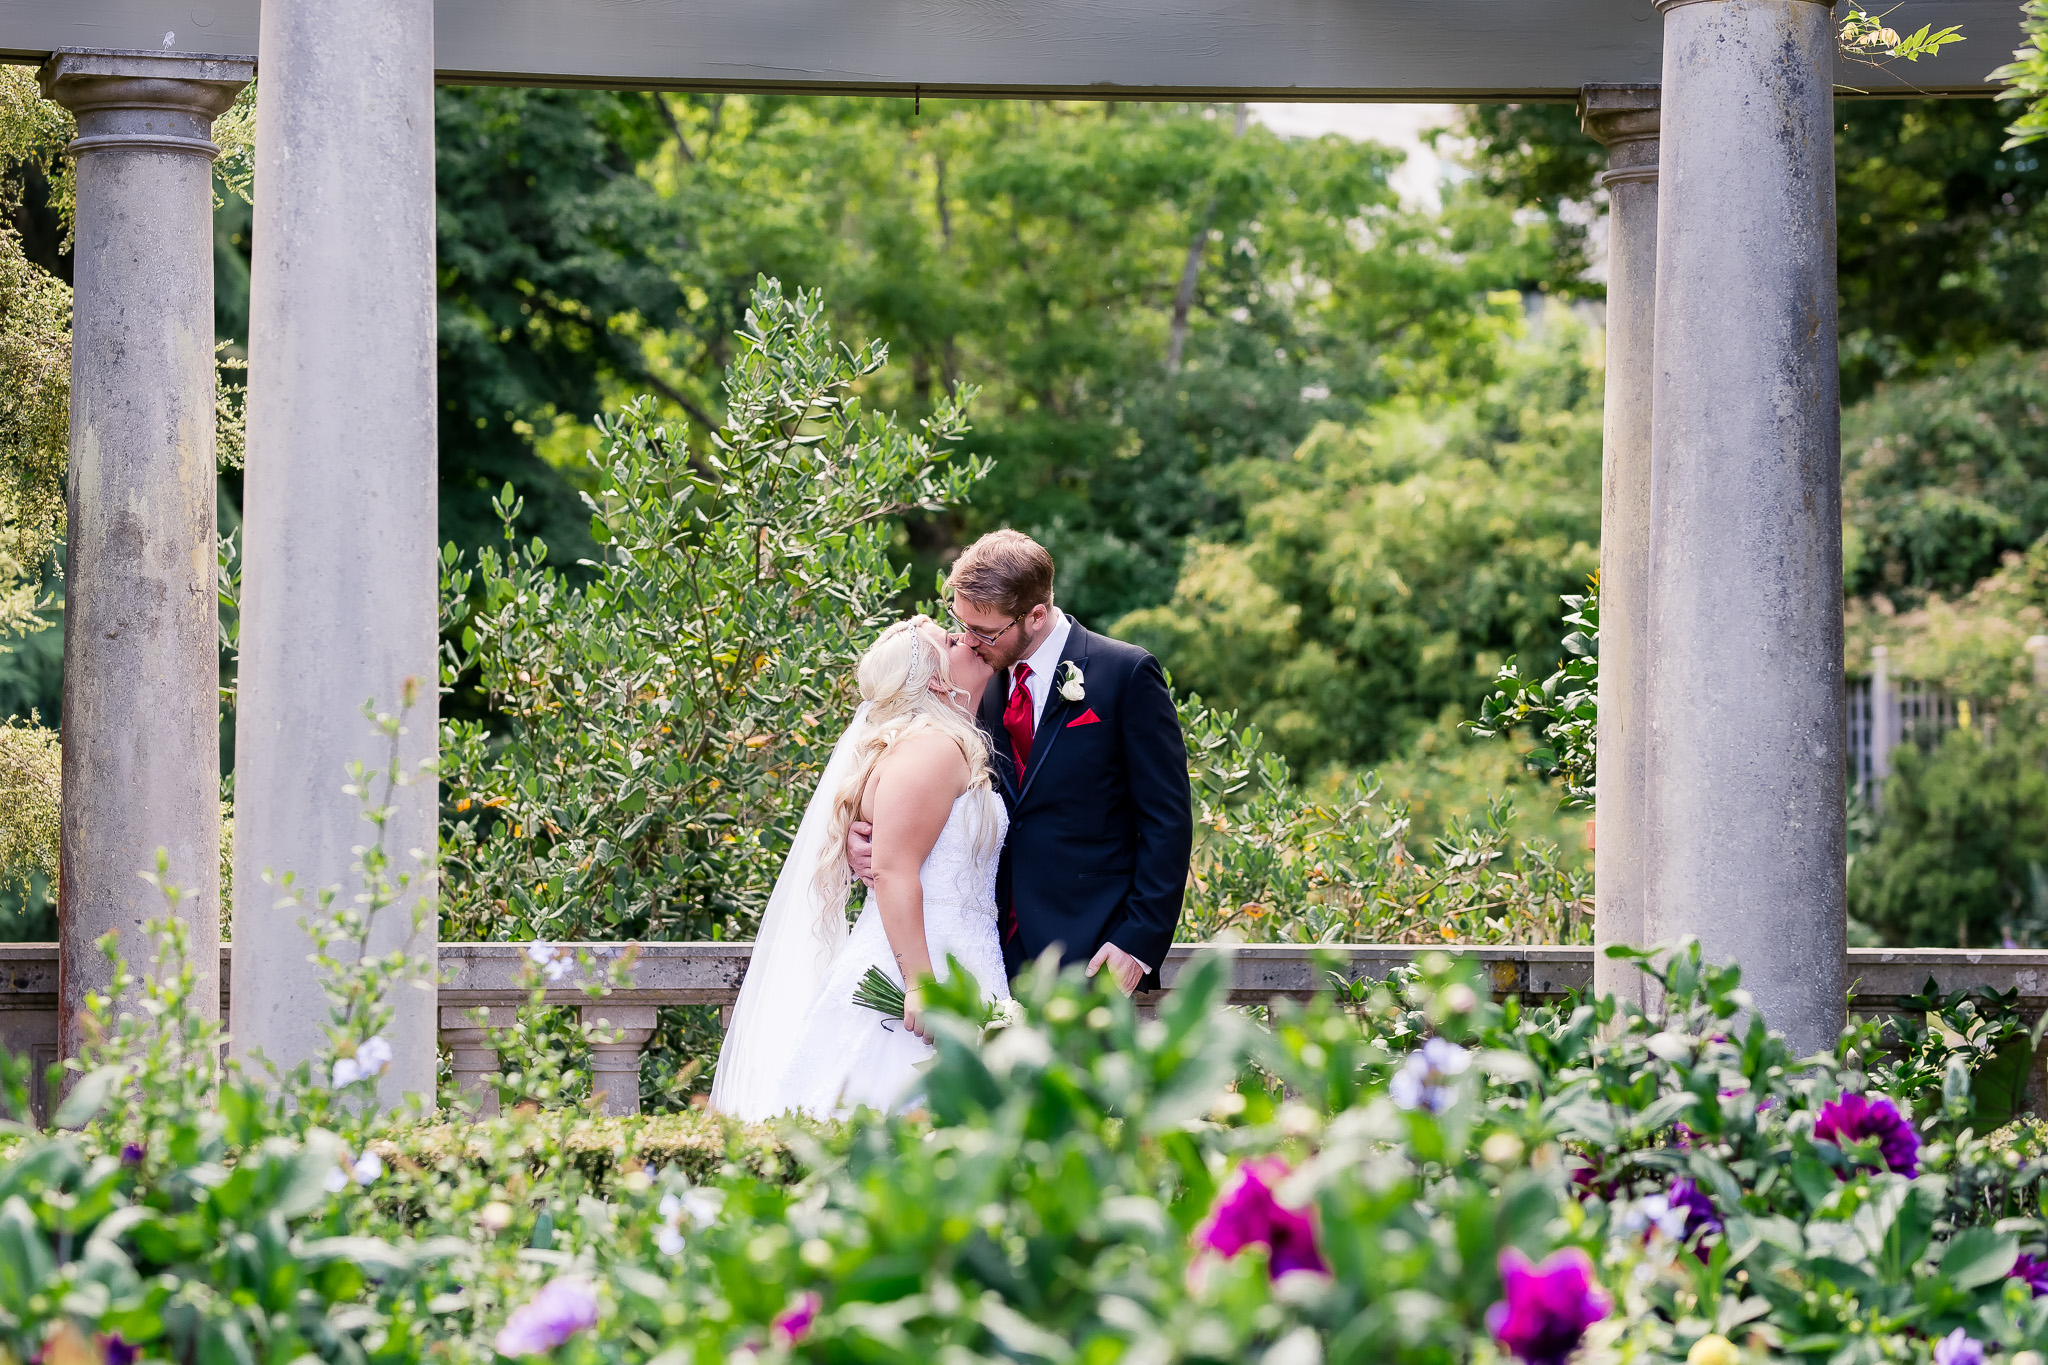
[1070, 682]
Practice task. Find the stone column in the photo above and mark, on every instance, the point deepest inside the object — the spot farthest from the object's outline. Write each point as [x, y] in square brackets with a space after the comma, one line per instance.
[141, 644]
[1624, 119]
[619, 1034]
[466, 1033]
[338, 605]
[1746, 833]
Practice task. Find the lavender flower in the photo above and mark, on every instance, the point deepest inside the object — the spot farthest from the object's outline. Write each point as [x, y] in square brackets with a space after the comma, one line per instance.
[554, 962]
[1548, 1307]
[372, 1058]
[2034, 1272]
[364, 1170]
[563, 1308]
[793, 1323]
[1859, 1118]
[1423, 1082]
[1958, 1348]
[1248, 1213]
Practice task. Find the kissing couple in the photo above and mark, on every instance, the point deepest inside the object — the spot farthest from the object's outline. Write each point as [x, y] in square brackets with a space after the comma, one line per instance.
[1014, 785]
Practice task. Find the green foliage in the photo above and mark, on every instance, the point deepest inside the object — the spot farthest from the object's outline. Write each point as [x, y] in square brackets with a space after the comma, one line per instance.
[1940, 229]
[556, 259]
[2026, 77]
[665, 721]
[1034, 249]
[1563, 709]
[1962, 843]
[1275, 863]
[1388, 569]
[1943, 477]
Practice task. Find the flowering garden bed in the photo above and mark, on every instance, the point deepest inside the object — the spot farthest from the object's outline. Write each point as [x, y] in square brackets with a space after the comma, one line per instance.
[1402, 1173]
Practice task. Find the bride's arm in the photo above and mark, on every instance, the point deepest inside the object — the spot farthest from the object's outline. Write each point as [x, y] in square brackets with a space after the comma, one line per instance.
[914, 791]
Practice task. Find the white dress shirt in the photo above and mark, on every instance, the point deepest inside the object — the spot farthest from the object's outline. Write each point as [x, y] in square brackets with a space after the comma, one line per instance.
[1044, 662]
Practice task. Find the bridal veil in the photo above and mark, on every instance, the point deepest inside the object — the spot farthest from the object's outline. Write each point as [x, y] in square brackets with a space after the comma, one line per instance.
[792, 951]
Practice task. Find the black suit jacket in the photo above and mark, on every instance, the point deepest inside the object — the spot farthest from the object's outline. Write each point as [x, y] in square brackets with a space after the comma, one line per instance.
[1103, 821]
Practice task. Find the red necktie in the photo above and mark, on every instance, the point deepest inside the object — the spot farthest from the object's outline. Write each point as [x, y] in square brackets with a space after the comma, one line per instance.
[1018, 721]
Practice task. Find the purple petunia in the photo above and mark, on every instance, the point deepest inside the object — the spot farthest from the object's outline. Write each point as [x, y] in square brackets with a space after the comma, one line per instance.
[1699, 1209]
[1548, 1307]
[1958, 1348]
[1425, 1079]
[1248, 1213]
[566, 1306]
[132, 1153]
[1859, 1118]
[115, 1351]
[793, 1323]
[2033, 1271]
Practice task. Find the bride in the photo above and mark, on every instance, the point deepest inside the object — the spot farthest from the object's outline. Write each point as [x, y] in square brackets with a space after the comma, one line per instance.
[915, 765]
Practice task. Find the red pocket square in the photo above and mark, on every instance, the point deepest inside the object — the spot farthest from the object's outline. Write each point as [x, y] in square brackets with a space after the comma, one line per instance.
[1087, 717]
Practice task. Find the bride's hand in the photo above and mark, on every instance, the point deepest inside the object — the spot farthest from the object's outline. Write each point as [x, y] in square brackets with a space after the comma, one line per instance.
[913, 1013]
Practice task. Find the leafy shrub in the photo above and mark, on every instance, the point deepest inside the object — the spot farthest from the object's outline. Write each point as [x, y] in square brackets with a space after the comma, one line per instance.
[1274, 863]
[663, 723]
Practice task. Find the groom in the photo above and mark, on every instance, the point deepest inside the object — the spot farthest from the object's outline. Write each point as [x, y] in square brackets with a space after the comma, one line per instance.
[1089, 758]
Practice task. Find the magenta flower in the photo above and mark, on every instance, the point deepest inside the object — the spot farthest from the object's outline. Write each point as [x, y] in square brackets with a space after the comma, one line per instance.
[793, 1323]
[1858, 1118]
[1548, 1307]
[2034, 1272]
[1247, 1213]
[566, 1306]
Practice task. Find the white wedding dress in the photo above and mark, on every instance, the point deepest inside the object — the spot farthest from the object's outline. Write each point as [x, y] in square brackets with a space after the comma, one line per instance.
[847, 1055]
[796, 1040]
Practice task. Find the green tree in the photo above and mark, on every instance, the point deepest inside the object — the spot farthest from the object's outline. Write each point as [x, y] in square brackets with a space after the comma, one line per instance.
[1960, 854]
[1389, 568]
[556, 258]
[1943, 477]
[1942, 231]
[1053, 253]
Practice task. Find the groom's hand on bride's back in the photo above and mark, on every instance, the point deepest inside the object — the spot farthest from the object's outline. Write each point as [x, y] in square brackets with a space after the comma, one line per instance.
[860, 851]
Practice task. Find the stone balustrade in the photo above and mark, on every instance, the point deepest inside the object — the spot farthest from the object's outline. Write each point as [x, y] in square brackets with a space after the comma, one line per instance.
[485, 983]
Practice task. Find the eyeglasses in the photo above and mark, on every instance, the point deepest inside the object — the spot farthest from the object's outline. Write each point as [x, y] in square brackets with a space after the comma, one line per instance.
[983, 636]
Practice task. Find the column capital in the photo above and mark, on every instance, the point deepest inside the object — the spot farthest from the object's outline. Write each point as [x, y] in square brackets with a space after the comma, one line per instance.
[1622, 118]
[148, 101]
[1666, 6]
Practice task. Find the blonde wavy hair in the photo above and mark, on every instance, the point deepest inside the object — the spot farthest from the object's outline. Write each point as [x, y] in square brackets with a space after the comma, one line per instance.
[895, 681]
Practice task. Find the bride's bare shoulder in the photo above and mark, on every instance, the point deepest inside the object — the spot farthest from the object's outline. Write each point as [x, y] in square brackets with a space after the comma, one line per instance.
[928, 758]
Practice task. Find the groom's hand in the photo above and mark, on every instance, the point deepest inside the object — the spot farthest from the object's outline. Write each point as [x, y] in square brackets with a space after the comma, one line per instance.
[860, 851]
[1127, 970]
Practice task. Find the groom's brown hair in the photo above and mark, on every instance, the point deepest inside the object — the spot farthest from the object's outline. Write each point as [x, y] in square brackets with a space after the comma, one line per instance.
[1005, 571]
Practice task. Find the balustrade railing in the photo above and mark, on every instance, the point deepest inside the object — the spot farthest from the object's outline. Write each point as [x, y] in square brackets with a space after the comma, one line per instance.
[484, 984]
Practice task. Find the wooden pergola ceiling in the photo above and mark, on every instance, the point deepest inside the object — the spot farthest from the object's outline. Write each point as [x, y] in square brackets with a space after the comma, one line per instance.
[1407, 50]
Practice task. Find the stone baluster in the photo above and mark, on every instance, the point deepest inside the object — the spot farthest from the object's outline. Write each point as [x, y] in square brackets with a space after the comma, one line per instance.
[465, 1032]
[141, 651]
[340, 502]
[615, 1062]
[1624, 119]
[1746, 832]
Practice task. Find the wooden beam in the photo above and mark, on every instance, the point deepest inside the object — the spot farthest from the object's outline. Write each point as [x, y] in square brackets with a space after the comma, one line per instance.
[1401, 50]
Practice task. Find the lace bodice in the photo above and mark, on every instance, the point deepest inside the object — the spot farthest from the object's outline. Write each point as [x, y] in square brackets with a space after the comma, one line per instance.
[960, 871]
[846, 1055]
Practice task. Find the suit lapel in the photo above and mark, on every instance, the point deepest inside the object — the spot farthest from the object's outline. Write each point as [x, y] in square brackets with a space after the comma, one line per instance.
[1000, 755]
[1056, 707]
